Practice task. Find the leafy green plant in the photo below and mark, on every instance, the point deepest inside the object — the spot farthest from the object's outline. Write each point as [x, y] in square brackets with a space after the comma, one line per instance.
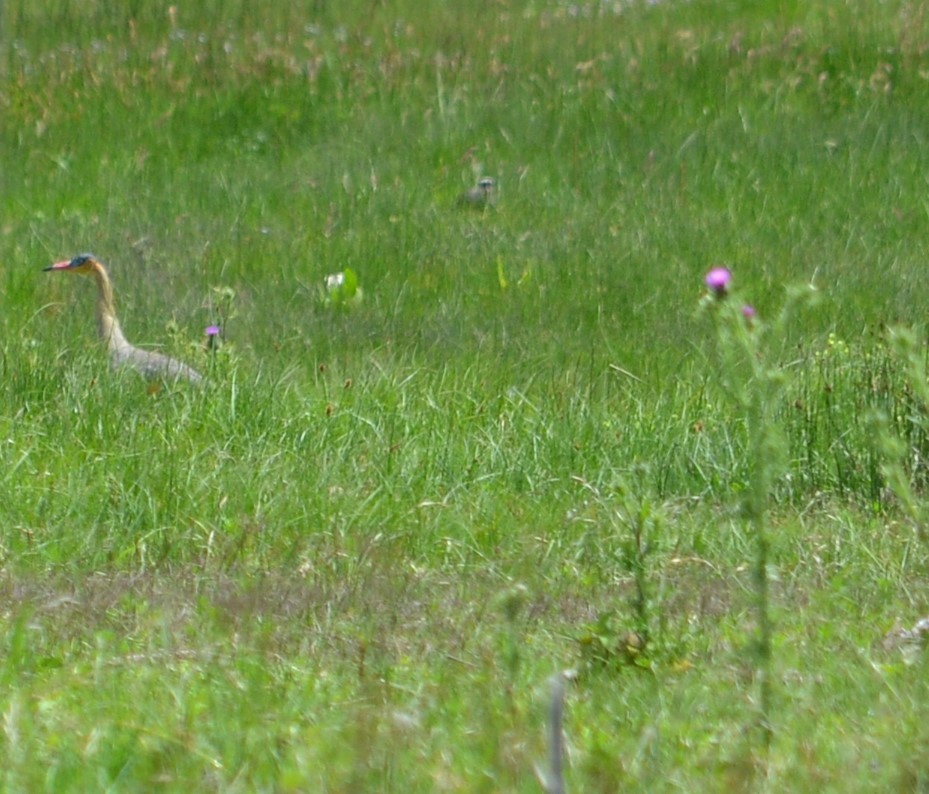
[341, 290]
[754, 385]
[607, 643]
[900, 442]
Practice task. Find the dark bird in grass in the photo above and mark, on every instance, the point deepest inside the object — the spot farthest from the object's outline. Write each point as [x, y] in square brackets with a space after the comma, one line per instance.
[483, 194]
[122, 354]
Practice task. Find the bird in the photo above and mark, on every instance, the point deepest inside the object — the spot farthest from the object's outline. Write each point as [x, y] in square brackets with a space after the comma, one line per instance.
[149, 364]
[483, 194]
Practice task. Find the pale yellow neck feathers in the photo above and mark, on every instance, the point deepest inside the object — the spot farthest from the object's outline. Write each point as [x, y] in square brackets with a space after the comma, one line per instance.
[107, 324]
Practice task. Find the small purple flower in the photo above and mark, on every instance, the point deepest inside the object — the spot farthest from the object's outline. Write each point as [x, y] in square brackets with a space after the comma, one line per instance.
[212, 337]
[718, 280]
[748, 312]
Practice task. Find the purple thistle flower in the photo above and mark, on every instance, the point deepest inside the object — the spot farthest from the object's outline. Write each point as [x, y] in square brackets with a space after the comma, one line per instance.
[213, 333]
[718, 280]
[748, 312]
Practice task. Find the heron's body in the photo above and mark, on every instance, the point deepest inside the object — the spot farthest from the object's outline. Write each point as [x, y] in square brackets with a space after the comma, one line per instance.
[121, 352]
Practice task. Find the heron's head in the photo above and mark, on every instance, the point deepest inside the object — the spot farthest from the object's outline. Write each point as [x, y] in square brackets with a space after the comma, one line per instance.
[82, 263]
[487, 190]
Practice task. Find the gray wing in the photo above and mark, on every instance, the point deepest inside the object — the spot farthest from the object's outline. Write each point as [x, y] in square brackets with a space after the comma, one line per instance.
[153, 365]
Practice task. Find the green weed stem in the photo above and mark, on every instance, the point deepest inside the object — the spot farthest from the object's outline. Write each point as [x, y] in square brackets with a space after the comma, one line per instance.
[754, 386]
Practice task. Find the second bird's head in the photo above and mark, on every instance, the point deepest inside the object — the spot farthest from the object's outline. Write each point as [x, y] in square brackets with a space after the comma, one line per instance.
[82, 263]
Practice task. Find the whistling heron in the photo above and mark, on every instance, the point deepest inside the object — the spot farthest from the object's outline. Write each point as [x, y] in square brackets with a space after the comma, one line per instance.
[146, 362]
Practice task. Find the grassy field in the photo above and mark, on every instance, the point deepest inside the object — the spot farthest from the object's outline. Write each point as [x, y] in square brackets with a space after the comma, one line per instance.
[353, 560]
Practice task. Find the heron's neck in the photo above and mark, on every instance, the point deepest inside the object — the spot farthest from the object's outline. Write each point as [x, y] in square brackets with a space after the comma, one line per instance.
[107, 324]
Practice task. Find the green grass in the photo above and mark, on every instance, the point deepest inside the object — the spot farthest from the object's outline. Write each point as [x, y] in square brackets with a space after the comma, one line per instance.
[352, 560]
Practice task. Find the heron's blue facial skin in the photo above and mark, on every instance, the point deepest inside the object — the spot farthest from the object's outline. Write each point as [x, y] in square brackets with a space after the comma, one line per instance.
[80, 262]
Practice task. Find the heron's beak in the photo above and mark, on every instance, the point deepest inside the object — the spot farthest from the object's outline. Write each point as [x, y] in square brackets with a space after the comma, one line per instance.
[58, 266]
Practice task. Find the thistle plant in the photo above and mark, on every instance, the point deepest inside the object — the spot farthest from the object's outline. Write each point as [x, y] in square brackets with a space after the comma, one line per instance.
[754, 386]
[897, 455]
